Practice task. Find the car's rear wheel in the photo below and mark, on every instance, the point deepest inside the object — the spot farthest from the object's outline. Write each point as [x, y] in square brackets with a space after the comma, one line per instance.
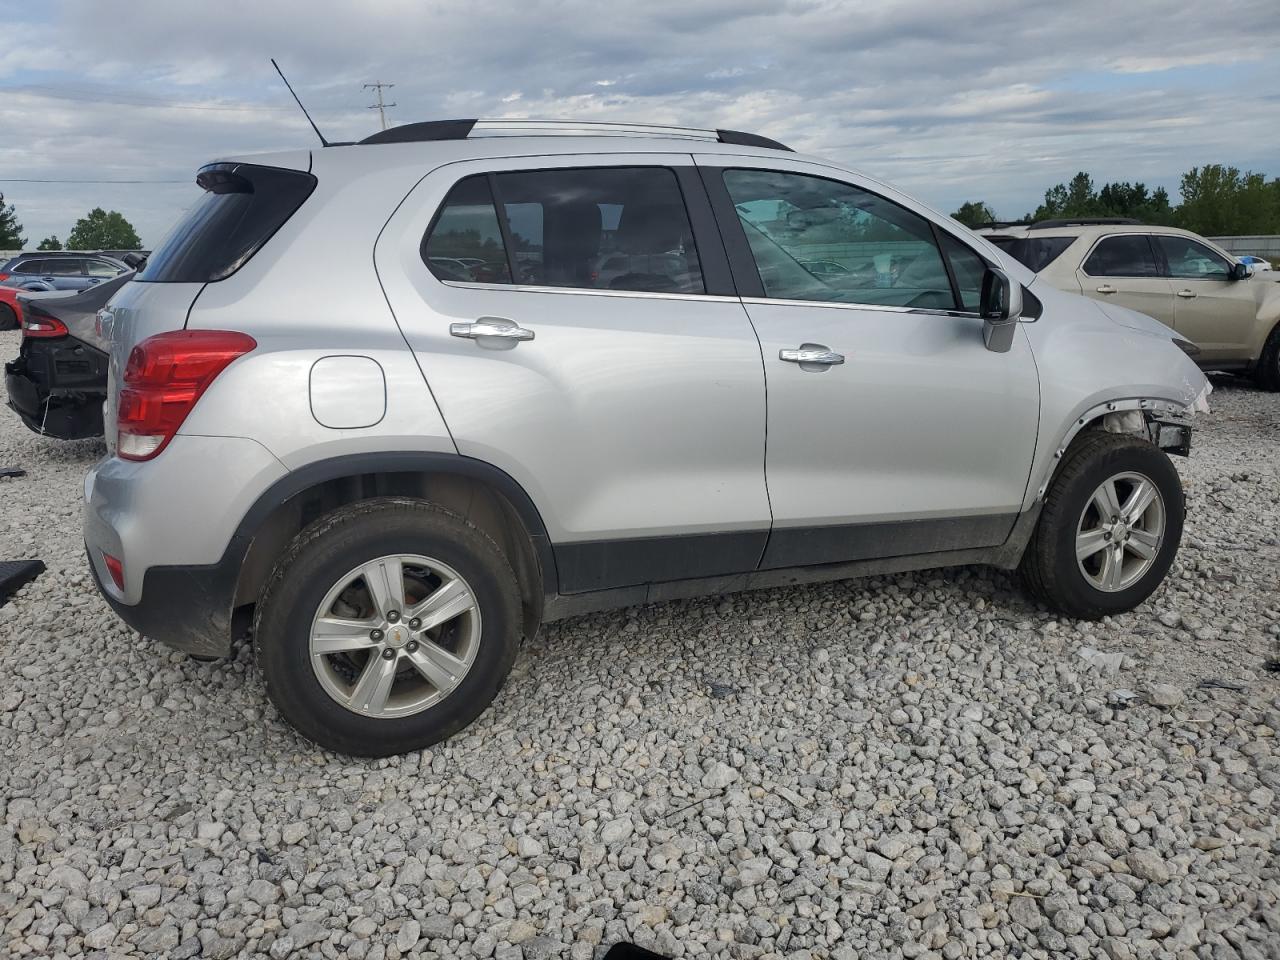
[387, 626]
[1110, 527]
[8, 317]
[1267, 372]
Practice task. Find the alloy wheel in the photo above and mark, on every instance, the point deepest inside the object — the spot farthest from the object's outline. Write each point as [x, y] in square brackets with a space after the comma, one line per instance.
[1120, 532]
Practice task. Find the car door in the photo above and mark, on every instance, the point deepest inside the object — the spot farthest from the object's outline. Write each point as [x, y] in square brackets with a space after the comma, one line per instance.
[1123, 268]
[1217, 313]
[891, 429]
[628, 402]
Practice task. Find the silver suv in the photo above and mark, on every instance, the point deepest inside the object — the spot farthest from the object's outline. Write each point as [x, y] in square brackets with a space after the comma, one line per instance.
[394, 479]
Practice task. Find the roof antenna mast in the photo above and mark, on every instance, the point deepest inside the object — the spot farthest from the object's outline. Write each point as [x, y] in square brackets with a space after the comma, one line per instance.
[323, 141]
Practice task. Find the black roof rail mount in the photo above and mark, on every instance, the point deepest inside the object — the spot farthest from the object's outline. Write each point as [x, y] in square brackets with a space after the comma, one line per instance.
[429, 130]
[1082, 222]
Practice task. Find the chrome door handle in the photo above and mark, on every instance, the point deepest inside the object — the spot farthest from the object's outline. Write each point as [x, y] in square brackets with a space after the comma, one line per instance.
[1106, 288]
[812, 354]
[1186, 295]
[498, 328]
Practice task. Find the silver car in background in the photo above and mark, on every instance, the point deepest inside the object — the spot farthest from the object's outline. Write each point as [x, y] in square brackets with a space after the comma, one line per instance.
[393, 480]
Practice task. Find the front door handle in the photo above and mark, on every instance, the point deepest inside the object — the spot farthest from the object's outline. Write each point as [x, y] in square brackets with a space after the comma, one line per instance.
[496, 328]
[1106, 288]
[812, 353]
[1186, 295]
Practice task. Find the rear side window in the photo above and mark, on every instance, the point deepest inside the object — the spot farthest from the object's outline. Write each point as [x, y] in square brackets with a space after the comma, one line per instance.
[30, 266]
[606, 228]
[1035, 253]
[1129, 255]
[242, 207]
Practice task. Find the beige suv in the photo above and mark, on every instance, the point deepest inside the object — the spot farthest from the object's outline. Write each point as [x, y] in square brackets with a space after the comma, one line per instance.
[1175, 276]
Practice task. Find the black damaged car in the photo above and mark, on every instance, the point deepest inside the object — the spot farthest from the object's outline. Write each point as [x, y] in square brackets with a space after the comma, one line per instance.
[58, 382]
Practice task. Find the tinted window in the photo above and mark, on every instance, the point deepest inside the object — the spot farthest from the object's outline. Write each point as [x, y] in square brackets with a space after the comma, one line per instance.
[969, 270]
[883, 253]
[30, 266]
[100, 268]
[1035, 253]
[465, 242]
[64, 267]
[611, 228]
[1124, 256]
[1190, 260]
[242, 207]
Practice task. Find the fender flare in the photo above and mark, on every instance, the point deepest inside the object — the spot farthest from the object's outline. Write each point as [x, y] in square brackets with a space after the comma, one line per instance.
[1149, 406]
[310, 475]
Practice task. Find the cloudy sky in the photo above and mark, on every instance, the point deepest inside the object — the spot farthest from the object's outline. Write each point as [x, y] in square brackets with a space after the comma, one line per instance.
[950, 99]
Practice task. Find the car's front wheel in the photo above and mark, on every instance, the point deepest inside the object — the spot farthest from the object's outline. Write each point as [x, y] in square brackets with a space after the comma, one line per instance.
[1267, 372]
[1110, 527]
[387, 626]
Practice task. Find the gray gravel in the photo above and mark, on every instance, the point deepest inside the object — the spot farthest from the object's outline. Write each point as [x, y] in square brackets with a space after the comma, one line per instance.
[915, 766]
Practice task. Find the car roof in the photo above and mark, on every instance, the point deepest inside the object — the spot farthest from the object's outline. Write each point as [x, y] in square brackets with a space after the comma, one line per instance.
[1084, 230]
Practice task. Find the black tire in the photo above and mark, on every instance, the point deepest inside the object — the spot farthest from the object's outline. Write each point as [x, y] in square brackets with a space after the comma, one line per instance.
[8, 317]
[318, 558]
[1049, 567]
[1267, 373]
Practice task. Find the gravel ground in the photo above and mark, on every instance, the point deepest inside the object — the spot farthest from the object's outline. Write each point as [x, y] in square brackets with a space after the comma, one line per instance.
[910, 766]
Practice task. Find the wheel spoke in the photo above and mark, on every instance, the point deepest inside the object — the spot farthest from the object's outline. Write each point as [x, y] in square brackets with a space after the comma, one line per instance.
[1139, 499]
[373, 687]
[1113, 567]
[437, 664]
[339, 635]
[1107, 501]
[449, 600]
[1143, 544]
[1089, 542]
[385, 580]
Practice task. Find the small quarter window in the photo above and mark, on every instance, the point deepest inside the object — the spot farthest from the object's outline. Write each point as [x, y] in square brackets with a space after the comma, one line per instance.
[465, 242]
[969, 269]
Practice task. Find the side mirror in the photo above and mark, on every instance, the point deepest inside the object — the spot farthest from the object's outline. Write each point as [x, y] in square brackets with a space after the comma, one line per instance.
[1239, 271]
[1001, 307]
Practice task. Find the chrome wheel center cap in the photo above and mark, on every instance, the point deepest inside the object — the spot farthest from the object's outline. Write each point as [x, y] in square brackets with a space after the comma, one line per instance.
[1119, 530]
[397, 636]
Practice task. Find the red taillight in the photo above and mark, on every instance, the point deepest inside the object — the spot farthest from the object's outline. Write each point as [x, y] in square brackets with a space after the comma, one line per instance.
[115, 568]
[43, 325]
[3, 277]
[164, 377]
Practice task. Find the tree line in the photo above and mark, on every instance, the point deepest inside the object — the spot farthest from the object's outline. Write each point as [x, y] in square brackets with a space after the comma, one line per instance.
[1217, 201]
[97, 230]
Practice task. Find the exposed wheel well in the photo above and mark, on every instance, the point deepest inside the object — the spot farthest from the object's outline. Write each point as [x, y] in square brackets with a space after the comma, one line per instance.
[478, 501]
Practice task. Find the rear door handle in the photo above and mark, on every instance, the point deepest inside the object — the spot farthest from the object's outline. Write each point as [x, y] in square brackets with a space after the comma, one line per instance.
[497, 328]
[1186, 295]
[1106, 288]
[812, 353]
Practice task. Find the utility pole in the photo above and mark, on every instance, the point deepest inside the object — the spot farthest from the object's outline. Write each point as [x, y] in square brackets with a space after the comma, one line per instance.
[380, 106]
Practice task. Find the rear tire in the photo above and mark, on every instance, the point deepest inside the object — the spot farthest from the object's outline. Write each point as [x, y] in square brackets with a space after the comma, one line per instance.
[360, 679]
[1267, 373]
[1087, 565]
[8, 317]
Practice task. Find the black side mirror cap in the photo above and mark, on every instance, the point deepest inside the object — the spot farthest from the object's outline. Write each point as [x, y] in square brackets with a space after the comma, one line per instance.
[1240, 271]
[1001, 308]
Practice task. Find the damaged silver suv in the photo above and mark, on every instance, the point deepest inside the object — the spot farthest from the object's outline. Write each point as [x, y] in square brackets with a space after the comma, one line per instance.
[575, 367]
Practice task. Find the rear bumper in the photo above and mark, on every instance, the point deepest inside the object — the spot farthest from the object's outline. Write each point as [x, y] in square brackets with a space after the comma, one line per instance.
[57, 387]
[186, 608]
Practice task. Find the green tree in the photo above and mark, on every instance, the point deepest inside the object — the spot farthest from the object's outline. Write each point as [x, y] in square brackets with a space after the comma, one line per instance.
[1222, 201]
[974, 213]
[11, 237]
[50, 242]
[103, 230]
[1075, 199]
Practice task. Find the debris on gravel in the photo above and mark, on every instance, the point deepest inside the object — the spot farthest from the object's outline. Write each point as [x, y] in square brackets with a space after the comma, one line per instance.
[917, 766]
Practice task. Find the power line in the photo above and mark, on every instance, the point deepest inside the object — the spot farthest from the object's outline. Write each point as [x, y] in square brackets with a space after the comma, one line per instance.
[46, 180]
[380, 106]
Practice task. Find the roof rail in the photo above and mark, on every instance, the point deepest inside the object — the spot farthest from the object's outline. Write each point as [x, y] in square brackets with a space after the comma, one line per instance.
[468, 129]
[1081, 222]
[1000, 224]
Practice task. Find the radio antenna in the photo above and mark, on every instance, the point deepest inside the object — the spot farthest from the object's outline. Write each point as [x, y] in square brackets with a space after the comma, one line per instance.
[323, 141]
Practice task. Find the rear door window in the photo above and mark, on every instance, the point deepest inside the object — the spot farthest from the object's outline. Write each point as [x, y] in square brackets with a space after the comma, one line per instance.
[599, 228]
[1128, 255]
[64, 267]
[243, 206]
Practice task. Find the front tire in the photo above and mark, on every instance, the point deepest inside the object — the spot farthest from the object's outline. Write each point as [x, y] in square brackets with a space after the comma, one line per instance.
[387, 626]
[1267, 372]
[1109, 530]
